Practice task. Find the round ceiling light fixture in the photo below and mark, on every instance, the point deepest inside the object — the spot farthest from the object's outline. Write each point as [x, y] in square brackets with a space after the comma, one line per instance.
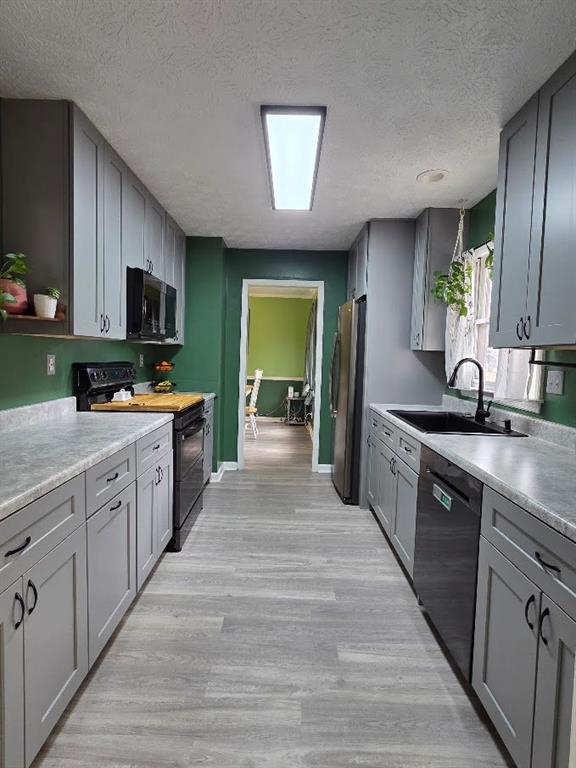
[431, 176]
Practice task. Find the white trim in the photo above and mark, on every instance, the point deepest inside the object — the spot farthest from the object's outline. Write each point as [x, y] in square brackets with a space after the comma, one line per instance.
[246, 285]
[225, 466]
[324, 469]
[277, 378]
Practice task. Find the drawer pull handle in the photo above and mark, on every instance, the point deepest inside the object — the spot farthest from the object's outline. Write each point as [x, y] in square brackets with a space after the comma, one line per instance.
[21, 548]
[545, 565]
[408, 450]
[18, 599]
[116, 506]
[156, 447]
[31, 586]
[529, 603]
[543, 615]
[114, 477]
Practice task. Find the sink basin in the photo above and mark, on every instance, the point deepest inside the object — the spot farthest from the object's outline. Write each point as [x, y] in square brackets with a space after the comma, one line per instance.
[449, 423]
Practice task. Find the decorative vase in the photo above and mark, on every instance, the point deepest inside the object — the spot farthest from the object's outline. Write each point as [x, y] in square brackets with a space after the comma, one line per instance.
[44, 306]
[18, 291]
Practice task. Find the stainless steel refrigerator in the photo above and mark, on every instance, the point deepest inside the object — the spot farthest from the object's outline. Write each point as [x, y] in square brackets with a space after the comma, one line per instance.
[346, 395]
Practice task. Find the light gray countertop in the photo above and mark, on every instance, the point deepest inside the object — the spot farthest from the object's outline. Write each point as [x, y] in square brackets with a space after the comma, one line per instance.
[537, 475]
[36, 458]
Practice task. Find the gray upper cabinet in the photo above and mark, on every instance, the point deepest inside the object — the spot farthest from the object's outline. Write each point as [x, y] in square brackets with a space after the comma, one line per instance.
[135, 227]
[436, 230]
[114, 278]
[99, 187]
[534, 265]
[180, 285]
[55, 636]
[154, 245]
[554, 714]
[170, 251]
[358, 266]
[512, 227]
[88, 226]
[12, 615]
[505, 649]
[551, 319]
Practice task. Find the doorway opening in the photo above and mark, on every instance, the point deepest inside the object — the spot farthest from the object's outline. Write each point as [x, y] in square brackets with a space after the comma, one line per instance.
[279, 394]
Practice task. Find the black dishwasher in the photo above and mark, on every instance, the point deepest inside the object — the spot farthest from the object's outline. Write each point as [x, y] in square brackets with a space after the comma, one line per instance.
[446, 552]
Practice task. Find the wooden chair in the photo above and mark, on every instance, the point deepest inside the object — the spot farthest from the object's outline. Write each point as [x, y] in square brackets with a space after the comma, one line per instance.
[251, 410]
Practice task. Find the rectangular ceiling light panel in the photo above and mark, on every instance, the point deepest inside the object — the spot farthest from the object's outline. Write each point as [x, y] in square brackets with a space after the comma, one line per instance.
[293, 137]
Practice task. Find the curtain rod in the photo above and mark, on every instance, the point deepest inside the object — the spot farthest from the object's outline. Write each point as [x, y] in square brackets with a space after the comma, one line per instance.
[533, 361]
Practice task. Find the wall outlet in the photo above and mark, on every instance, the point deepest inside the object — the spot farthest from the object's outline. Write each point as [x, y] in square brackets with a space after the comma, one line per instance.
[141, 360]
[50, 365]
[555, 382]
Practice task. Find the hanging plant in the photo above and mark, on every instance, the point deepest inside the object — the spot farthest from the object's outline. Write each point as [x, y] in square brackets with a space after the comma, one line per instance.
[454, 287]
[489, 260]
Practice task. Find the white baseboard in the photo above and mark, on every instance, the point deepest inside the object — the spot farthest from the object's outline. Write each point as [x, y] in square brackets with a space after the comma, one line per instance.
[324, 468]
[226, 466]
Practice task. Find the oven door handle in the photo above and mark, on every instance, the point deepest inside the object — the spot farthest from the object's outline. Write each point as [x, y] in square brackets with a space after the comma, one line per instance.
[198, 426]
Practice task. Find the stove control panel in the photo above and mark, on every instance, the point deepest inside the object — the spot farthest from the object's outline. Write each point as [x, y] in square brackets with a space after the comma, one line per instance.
[92, 379]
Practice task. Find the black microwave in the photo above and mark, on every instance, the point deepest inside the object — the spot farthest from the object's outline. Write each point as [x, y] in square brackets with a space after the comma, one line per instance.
[151, 307]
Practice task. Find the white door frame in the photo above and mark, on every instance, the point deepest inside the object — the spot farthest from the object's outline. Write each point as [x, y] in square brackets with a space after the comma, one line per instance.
[246, 285]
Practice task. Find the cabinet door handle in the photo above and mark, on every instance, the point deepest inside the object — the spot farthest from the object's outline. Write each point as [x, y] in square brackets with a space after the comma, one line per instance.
[529, 603]
[114, 477]
[107, 324]
[116, 506]
[19, 599]
[520, 328]
[31, 586]
[527, 326]
[545, 565]
[21, 548]
[157, 481]
[101, 323]
[393, 466]
[543, 615]
[161, 473]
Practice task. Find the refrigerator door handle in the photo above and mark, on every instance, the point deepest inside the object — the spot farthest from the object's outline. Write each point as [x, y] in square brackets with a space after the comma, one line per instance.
[334, 378]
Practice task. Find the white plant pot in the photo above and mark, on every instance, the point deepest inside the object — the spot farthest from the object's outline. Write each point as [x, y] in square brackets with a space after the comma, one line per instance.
[44, 306]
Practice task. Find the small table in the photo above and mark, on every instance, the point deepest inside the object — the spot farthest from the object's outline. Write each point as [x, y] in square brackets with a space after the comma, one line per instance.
[295, 411]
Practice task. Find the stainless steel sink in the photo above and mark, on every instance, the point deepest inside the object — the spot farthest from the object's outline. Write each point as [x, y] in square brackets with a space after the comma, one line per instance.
[450, 423]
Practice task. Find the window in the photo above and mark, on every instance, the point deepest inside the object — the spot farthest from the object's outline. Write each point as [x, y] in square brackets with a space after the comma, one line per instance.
[508, 376]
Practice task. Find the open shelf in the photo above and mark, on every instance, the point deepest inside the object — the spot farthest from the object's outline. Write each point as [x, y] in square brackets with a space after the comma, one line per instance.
[34, 317]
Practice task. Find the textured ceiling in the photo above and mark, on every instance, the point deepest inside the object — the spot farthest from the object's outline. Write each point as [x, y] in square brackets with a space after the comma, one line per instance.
[175, 85]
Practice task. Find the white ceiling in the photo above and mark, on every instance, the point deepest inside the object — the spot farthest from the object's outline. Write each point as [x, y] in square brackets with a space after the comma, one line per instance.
[175, 85]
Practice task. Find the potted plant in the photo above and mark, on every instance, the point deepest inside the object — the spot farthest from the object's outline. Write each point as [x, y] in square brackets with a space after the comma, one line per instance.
[45, 304]
[13, 298]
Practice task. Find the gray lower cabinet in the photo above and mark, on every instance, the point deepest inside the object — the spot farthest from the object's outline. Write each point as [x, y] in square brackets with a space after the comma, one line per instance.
[12, 614]
[111, 540]
[371, 480]
[385, 487]
[55, 636]
[154, 515]
[403, 530]
[555, 713]
[505, 649]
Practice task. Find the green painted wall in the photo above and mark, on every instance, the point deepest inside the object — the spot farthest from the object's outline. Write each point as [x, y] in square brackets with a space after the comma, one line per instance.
[23, 379]
[200, 363]
[277, 335]
[557, 408]
[329, 266]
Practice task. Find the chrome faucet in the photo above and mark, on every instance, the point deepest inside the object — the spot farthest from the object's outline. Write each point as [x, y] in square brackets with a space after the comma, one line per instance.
[481, 412]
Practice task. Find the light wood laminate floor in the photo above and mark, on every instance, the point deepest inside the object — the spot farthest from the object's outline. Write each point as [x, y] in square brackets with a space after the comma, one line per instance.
[284, 636]
[278, 445]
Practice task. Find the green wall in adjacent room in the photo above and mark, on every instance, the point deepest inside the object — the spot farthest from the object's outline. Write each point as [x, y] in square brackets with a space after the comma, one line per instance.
[24, 381]
[328, 266]
[277, 335]
[557, 408]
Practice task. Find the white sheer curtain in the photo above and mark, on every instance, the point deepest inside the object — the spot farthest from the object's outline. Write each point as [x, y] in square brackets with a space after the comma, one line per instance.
[516, 379]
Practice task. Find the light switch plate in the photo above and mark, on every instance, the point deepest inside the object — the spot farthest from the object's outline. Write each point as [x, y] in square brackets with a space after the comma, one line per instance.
[141, 360]
[50, 365]
[555, 382]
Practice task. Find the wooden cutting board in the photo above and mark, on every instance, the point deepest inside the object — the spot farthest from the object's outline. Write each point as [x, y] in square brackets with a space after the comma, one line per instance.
[154, 402]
